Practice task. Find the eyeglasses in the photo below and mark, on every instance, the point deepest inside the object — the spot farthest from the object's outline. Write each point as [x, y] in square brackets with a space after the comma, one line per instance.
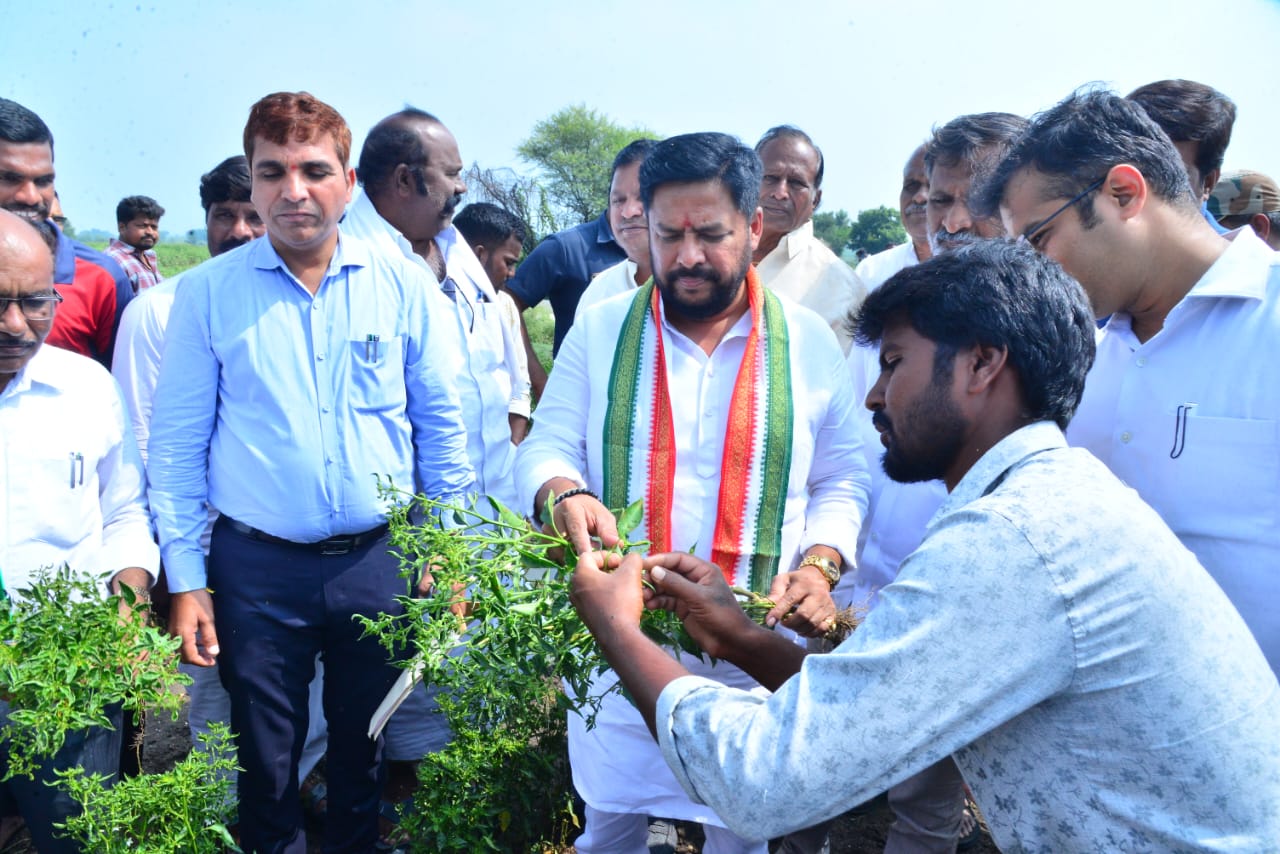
[1029, 235]
[32, 308]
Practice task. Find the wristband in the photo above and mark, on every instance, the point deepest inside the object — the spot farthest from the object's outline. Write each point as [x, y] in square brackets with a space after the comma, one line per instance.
[569, 493]
[826, 566]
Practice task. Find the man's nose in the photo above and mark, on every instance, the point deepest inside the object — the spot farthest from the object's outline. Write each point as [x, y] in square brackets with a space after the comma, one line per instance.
[632, 208]
[28, 193]
[958, 219]
[690, 254]
[12, 320]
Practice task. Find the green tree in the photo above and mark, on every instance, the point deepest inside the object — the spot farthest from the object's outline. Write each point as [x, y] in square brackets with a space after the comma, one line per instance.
[573, 150]
[876, 229]
[832, 228]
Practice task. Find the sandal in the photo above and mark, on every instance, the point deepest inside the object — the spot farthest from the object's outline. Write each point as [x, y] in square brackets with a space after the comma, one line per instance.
[315, 800]
[390, 814]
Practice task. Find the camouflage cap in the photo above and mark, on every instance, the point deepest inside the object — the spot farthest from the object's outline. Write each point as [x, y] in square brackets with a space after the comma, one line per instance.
[1243, 193]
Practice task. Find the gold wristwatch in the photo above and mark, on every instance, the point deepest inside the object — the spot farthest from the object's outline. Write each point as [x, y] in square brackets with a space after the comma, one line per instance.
[826, 566]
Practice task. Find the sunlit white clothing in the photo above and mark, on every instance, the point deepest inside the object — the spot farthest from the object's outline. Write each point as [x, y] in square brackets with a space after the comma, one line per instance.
[617, 766]
[72, 488]
[802, 268]
[139, 344]
[876, 269]
[618, 279]
[1191, 419]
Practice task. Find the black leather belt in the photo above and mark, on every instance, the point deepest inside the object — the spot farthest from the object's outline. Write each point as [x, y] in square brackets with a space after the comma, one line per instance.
[340, 545]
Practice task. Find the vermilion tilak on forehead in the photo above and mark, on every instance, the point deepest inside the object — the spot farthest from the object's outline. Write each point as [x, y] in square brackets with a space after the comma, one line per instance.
[687, 223]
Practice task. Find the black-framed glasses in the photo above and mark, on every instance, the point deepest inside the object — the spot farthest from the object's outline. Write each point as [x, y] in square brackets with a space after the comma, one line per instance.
[1029, 234]
[32, 308]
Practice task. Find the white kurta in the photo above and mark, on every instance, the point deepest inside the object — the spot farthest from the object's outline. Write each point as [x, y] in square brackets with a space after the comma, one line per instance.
[1191, 420]
[876, 270]
[618, 279]
[804, 270]
[617, 766]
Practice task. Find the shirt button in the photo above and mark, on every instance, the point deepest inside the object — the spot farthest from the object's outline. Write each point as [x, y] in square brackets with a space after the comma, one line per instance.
[320, 357]
[1126, 436]
[315, 306]
[1142, 361]
[326, 409]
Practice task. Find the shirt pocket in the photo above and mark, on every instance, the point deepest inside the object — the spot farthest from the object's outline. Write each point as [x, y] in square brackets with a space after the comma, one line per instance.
[68, 480]
[377, 373]
[1225, 482]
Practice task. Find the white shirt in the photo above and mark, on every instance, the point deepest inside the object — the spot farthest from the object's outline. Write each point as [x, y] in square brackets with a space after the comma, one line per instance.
[1097, 690]
[488, 385]
[876, 269]
[617, 766]
[898, 512]
[72, 489]
[521, 394]
[802, 268]
[1191, 419]
[136, 361]
[618, 279]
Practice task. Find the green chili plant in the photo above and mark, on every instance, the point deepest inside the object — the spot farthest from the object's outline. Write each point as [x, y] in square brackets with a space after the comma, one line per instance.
[185, 810]
[67, 654]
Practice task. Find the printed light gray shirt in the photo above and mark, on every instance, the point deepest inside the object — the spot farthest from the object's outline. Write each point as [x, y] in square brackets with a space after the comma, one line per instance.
[1098, 690]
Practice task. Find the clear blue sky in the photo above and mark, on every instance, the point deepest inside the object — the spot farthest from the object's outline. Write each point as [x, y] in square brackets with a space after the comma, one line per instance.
[143, 98]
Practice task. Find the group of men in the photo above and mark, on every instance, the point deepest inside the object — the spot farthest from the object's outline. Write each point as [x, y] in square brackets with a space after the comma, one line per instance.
[1037, 631]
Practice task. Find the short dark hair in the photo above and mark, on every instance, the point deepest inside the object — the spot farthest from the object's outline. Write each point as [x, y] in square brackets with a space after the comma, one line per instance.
[282, 117]
[793, 132]
[485, 224]
[965, 139]
[697, 157]
[1077, 141]
[393, 141]
[1191, 112]
[633, 152]
[132, 207]
[1002, 294]
[229, 181]
[20, 126]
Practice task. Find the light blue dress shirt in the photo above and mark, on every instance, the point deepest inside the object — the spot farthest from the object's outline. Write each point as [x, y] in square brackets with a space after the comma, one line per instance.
[279, 408]
[1096, 687]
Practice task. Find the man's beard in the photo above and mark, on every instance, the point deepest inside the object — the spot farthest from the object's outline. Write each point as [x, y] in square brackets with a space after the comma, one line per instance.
[231, 243]
[938, 437]
[944, 241]
[722, 293]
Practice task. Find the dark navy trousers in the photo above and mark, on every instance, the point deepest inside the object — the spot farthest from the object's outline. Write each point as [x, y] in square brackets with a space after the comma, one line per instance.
[275, 607]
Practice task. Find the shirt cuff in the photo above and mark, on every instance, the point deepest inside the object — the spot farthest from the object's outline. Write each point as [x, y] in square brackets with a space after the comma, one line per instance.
[665, 723]
[185, 569]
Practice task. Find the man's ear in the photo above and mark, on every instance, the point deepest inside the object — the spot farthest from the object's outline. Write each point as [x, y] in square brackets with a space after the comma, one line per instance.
[482, 254]
[986, 363]
[817, 200]
[1210, 181]
[1127, 189]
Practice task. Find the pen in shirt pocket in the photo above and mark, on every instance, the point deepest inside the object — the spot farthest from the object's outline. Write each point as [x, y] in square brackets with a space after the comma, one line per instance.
[1180, 429]
[371, 342]
[77, 469]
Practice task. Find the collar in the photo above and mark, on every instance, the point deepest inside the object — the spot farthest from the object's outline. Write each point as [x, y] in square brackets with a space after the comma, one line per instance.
[125, 249]
[460, 261]
[64, 261]
[793, 242]
[40, 370]
[349, 252]
[604, 234]
[1241, 271]
[992, 466]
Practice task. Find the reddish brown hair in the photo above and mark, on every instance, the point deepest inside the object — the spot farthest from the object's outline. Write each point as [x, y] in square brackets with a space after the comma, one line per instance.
[299, 117]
